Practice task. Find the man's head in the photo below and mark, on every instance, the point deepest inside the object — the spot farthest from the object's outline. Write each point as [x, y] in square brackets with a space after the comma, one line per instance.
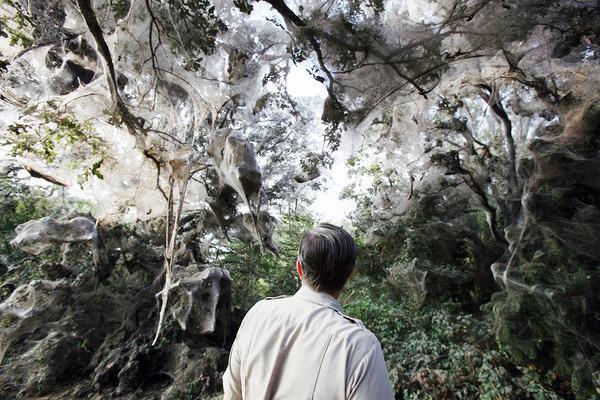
[326, 257]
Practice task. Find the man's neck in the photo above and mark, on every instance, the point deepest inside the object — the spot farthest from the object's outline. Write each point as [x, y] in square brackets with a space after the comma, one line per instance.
[335, 295]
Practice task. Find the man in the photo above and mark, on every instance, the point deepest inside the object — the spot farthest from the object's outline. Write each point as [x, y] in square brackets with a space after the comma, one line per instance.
[304, 346]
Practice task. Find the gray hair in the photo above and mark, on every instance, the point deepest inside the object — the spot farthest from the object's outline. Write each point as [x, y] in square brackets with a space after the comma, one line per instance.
[328, 255]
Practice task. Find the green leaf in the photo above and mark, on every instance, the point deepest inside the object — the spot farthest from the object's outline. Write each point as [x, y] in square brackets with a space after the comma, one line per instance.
[96, 169]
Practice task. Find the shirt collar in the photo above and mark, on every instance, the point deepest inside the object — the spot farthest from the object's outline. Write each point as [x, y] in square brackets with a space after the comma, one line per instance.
[307, 293]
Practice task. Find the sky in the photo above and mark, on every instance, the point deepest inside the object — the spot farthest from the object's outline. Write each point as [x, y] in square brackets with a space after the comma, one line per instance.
[327, 205]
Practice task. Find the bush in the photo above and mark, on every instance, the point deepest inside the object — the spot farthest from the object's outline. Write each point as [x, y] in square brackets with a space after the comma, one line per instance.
[441, 352]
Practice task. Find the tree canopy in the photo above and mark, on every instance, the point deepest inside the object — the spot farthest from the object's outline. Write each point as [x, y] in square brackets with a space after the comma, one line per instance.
[473, 122]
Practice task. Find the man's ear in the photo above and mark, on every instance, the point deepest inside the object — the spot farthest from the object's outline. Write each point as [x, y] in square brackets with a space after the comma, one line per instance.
[299, 268]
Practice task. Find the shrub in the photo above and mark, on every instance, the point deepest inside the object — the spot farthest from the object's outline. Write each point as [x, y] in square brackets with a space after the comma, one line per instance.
[441, 352]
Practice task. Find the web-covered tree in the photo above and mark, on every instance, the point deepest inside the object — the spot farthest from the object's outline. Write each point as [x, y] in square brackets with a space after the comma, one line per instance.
[451, 93]
[472, 150]
[121, 89]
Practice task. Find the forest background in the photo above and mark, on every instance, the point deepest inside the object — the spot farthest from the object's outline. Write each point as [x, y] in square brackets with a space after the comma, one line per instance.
[457, 139]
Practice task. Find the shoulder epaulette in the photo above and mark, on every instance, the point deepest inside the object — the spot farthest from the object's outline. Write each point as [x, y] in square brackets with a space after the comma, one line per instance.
[276, 297]
[352, 319]
[361, 325]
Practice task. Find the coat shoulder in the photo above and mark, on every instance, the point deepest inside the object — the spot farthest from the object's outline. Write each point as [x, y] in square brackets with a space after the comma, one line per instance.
[283, 296]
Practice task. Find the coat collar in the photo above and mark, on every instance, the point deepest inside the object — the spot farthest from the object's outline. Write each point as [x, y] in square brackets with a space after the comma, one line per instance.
[320, 298]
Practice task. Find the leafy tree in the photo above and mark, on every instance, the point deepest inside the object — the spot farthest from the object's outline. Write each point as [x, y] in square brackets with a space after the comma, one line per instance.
[452, 102]
[256, 275]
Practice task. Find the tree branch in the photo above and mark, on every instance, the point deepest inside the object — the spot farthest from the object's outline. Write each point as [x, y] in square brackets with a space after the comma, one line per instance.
[133, 124]
[490, 96]
[490, 211]
[291, 17]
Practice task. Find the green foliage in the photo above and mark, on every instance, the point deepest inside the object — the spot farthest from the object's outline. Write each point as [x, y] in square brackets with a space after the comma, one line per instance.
[435, 352]
[448, 349]
[244, 6]
[27, 270]
[541, 343]
[544, 332]
[84, 344]
[439, 352]
[549, 322]
[255, 275]
[167, 338]
[17, 25]
[376, 5]
[120, 8]
[55, 132]
[192, 27]
[22, 203]
[373, 260]
[333, 134]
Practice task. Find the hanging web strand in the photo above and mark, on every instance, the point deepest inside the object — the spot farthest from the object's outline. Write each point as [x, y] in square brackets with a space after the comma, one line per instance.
[180, 174]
